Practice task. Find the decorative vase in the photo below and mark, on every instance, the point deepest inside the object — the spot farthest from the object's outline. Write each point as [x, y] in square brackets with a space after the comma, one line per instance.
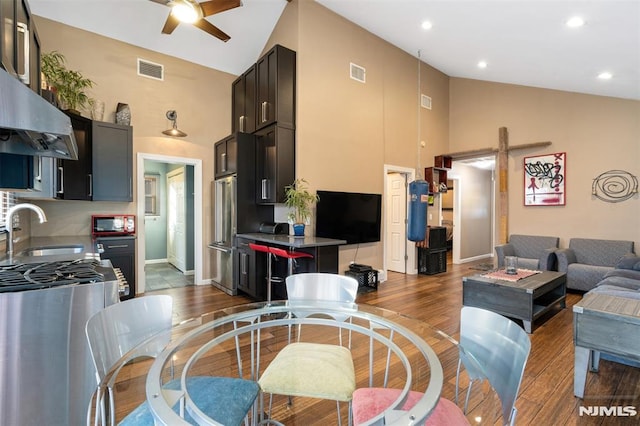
[97, 111]
[123, 114]
[298, 229]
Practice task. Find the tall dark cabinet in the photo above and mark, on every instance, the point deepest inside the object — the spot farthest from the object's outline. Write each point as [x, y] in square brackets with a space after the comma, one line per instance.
[243, 106]
[275, 163]
[276, 88]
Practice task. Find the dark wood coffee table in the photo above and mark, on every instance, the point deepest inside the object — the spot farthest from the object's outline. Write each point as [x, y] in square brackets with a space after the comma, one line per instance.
[526, 299]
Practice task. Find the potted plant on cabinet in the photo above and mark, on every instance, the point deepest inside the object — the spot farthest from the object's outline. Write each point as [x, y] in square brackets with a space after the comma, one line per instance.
[69, 85]
[299, 201]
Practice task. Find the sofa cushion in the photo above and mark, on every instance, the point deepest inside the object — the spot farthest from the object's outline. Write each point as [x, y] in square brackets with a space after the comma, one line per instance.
[627, 273]
[600, 252]
[612, 290]
[585, 277]
[622, 282]
[628, 262]
[532, 246]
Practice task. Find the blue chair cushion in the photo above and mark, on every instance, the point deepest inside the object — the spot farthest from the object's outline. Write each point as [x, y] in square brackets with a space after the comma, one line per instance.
[224, 399]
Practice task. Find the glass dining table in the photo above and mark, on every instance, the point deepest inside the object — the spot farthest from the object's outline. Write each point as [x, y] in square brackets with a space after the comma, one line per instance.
[389, 349]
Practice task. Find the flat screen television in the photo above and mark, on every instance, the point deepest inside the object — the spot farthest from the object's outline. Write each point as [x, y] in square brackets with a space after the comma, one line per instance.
[350, 216]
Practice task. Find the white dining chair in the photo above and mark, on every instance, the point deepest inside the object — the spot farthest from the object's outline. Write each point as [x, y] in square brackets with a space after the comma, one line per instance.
[117, 330]
[314, 370]
[492, 347]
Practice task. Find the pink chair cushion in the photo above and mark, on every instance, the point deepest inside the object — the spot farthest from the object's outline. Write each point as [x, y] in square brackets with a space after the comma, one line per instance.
[369, 402]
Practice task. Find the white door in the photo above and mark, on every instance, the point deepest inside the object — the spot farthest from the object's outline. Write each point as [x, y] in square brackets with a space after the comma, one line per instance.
[396, 222]
[176, 237]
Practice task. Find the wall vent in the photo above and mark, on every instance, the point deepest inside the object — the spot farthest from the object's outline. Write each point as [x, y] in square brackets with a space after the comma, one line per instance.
[358, 73]
[425, 101]
[150, 69]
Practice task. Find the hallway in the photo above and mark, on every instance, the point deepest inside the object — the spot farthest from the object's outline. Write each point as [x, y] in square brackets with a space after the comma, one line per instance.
[162, 276]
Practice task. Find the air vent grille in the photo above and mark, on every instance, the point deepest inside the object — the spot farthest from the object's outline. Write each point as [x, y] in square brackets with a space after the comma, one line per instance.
[425, 101]
[150, 70]
[358, 73]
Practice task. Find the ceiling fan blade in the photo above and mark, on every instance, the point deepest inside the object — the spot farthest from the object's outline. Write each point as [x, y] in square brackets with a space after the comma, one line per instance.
[171, 24]
[162, 2]
[205, 25]
[216, 6]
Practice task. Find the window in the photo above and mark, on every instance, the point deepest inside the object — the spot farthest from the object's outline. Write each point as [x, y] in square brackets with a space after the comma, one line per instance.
[7, 200]
[151, 201]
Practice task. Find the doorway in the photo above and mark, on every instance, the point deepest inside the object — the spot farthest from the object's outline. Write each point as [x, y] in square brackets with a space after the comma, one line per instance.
[153, 228]
[399, 252]
[176, 220]
[473, 209]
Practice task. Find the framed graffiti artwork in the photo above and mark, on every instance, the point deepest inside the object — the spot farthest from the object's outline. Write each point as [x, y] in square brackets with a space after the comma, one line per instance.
[544, 180]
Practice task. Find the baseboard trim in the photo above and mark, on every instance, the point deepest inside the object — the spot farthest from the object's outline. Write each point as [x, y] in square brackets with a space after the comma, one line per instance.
[152, 261]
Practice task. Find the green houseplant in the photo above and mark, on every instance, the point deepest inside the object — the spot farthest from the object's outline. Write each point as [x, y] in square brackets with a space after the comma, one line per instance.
[69, 85]
[299, 201]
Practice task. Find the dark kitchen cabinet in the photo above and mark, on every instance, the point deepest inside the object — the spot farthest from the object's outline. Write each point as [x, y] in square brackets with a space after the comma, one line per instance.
[243, 102]
[8, 35]
[74, 176]
[121, 251]
[20, 56]
[19, 43]
[246, 268]
[275, 163]
[112, 162]
[16, 171]
[276, 88]
[104, 169]
[226, 156]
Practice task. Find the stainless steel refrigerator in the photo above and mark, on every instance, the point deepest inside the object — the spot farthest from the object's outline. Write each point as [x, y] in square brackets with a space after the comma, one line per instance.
[225, 227]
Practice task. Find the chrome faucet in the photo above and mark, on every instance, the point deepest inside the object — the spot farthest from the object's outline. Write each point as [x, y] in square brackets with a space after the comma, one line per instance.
[9, 221]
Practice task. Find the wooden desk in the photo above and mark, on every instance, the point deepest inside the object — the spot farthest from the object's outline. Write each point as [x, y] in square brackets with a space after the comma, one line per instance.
[603, 323]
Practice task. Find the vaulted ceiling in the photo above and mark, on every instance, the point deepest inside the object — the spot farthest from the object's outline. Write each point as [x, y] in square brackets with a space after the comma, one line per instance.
[524, 42]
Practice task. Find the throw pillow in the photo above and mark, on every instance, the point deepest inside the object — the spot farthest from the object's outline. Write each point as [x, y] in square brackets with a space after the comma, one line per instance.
[628, 262]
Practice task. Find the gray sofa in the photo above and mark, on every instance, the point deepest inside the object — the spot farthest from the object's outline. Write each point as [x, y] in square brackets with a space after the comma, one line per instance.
[587, 261]
[533, 252]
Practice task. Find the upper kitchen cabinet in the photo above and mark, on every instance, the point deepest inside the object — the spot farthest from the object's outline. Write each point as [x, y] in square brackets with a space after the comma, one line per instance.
[104, 169]
[112, 160]
[243, 102]
[8, 35]
[19, 43]
[275, 163]
[276, 74]
[226, 157]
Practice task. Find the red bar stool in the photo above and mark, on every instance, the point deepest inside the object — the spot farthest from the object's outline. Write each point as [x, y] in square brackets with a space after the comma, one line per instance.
[291, 257]
[270, 279]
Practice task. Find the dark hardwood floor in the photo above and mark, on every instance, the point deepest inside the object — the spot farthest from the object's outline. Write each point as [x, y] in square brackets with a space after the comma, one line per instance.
[546, 394]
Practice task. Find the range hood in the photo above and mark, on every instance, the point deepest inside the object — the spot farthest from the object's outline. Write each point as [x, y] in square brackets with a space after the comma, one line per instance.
[29, 125]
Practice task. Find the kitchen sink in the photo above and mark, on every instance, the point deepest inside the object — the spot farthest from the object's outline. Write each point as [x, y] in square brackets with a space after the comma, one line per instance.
[53, 250]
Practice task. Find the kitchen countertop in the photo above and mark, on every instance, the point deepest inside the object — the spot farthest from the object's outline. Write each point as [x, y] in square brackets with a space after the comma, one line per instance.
[291, 241]
[88, 249]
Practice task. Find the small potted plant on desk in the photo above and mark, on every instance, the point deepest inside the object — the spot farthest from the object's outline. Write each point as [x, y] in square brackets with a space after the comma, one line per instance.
[299, 201]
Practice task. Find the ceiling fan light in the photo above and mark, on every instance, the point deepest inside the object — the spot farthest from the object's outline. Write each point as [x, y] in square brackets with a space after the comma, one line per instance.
[186, 11]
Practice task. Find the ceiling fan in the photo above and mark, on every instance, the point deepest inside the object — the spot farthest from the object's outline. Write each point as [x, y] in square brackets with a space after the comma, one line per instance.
[190, 11]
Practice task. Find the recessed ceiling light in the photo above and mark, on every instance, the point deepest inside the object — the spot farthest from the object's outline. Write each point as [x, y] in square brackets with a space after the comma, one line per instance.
[427, 25]
[575, 22]
[605, 75]
[482, 64]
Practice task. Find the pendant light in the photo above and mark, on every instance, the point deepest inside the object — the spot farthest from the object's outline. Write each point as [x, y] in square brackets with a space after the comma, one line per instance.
[174, 131]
